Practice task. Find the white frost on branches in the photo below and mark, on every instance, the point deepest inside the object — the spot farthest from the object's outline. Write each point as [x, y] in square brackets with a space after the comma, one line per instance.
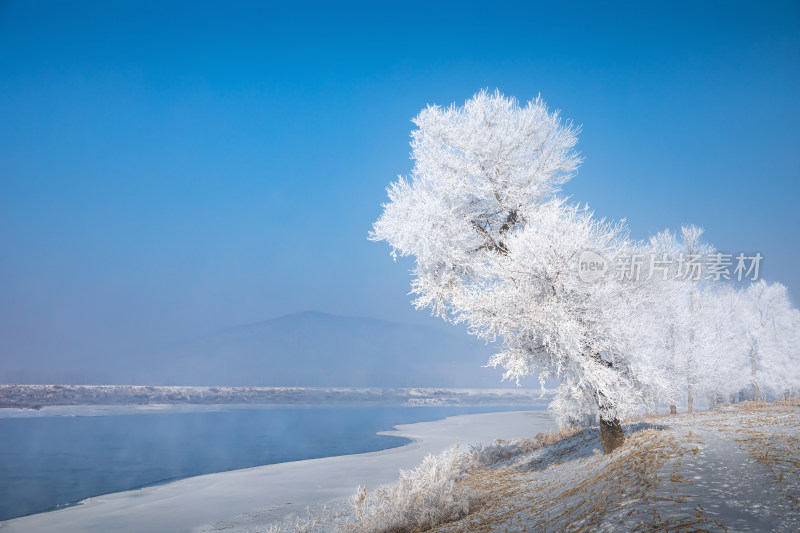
[497, 248]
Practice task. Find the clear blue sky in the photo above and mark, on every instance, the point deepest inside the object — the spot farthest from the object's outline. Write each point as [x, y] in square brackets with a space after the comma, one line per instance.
[168, 169]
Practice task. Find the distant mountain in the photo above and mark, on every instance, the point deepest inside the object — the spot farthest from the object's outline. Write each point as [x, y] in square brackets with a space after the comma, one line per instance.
[313, 349]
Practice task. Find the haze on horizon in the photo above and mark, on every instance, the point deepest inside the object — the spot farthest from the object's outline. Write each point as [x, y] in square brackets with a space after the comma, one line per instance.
[170, 171]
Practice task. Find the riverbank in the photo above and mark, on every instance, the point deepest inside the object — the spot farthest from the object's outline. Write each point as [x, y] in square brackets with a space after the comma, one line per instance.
[244, 498]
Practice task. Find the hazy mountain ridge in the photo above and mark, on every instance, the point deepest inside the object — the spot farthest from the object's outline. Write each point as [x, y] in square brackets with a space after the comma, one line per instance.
[308, 349]
[313, 349]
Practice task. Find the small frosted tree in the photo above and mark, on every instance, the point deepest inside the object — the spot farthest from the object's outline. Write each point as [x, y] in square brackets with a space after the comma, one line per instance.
[770, 325]
[719, 342]
[680, 259]
[497, 249]
[664, 250]
[693, 253]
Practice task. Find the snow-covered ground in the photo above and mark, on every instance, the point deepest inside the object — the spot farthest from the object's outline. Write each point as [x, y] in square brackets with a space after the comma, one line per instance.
[247, 499]
[732, 469]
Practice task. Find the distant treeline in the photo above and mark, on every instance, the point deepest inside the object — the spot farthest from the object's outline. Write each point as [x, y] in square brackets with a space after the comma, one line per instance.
[37, 396]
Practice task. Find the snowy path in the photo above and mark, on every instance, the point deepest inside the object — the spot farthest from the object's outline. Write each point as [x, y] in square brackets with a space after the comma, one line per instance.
[716, 484]
[235, 500]
[730, 483]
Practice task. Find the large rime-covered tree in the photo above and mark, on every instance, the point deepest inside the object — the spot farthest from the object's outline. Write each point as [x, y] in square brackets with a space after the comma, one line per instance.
[497, 249]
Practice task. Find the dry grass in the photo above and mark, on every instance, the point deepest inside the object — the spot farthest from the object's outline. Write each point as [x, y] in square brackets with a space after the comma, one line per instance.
[502, 450]
[439, 490]
[579, 499]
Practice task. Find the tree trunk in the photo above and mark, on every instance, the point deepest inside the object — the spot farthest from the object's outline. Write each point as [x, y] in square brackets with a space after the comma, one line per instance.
[753, 370]
[690, 362]
[673, 370]
[611, 434]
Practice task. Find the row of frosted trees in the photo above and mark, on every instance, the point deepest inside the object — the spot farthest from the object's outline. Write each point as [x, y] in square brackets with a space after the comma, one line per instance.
[721, 337]
[498, 248]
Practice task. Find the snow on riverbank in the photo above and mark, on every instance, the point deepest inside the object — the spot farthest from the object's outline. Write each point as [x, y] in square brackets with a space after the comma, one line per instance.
[260, 495]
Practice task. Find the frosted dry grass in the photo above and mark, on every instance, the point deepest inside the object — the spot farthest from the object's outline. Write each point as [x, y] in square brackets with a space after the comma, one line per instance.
[422, 498]
[434, 493]
[570, 486]
[437, 491]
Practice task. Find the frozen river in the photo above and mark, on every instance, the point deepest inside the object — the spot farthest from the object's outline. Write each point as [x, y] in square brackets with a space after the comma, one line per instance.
[47, 462]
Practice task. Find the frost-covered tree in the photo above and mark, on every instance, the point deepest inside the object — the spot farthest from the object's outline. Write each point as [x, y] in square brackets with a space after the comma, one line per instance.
[744, 337]
[770, 324]
[719, 342]
[671, 313]
[693, 254]
[497, 249]
[676, 268]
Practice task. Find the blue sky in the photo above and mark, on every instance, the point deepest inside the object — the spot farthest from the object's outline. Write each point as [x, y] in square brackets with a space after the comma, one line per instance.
[168, 169]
